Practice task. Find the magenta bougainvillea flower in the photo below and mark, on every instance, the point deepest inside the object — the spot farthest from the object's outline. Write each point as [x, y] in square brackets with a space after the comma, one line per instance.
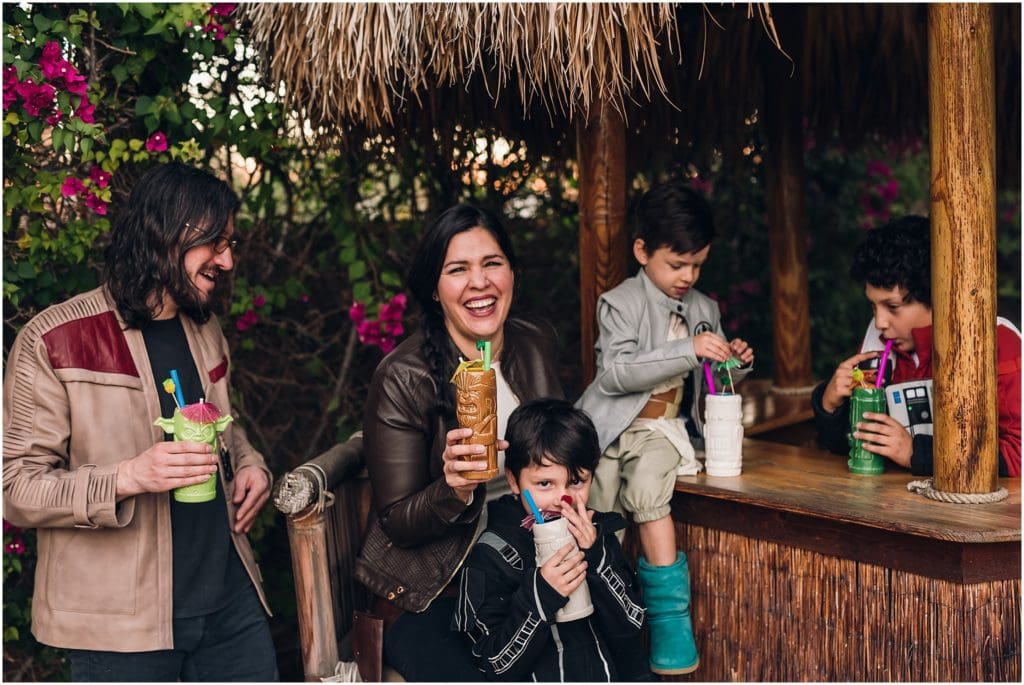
[37, 97]
[52, 62]
[86, 112]
[259, 301]
[71, 186]
[157, 142]
[218, 30]
[61, 72]
[96, 204]
[99, 177]
[247, 320]
[222, 9]
[384, 330]
[10, 86]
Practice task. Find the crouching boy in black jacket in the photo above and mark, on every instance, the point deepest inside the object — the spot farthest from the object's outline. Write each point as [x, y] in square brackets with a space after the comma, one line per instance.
[507, 604]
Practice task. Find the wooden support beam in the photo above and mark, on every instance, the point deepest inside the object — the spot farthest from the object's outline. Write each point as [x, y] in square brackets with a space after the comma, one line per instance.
[787, 222]
[313, 598]
[961, 90]
[604, 242]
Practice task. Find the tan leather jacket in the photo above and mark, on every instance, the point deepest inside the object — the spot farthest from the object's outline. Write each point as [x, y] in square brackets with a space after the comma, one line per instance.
[421, 530]
[79, 398]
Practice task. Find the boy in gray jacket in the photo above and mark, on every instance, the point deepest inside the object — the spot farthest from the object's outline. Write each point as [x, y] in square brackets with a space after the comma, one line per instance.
[655, 328]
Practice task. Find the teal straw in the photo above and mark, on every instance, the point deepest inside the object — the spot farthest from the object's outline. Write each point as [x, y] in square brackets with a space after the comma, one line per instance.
[177, 388]
[533, 506]
[485, 347]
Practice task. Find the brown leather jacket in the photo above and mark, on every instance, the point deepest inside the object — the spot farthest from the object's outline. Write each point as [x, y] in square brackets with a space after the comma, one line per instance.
[422, 531]
[79, 398]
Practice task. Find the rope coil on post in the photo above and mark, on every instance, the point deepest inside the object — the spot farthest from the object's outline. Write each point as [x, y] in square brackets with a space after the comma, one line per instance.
[924, 487]
[301, 488]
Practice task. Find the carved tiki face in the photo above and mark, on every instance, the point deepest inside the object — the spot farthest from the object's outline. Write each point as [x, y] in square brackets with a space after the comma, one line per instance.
[474, 397]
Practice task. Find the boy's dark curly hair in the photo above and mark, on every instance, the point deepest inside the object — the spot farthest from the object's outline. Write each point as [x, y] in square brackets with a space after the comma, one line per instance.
[897, 254]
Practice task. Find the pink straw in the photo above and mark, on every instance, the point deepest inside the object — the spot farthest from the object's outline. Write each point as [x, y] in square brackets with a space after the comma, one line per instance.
[881, 365]
[710, 379]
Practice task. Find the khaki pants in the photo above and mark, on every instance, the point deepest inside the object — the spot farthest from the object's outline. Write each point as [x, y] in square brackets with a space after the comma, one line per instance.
[636, 474]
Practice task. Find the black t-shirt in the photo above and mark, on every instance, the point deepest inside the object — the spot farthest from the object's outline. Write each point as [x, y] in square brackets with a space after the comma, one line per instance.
[207, 571]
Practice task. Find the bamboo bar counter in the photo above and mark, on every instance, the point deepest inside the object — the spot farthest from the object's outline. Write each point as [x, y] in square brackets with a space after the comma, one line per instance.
[802, 571]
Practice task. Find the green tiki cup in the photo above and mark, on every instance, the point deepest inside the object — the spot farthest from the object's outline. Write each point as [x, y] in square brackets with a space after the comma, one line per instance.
[196, 431]
[864, 400]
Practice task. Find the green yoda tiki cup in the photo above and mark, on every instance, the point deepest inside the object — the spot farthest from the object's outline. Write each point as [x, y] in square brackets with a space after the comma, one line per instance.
[199, 422]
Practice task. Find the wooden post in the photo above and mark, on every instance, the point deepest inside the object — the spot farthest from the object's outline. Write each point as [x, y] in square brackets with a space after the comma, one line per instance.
[961, 94]
[604, 243]
[314, 604]
[787, 223]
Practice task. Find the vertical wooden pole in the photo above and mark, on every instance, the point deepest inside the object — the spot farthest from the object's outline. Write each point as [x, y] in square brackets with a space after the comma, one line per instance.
[787, 223]
[961, 94]
[314, 604]
[604, 243]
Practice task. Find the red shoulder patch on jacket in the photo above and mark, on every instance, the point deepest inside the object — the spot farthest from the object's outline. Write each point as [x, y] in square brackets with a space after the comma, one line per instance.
[94, 343]
[219, 371]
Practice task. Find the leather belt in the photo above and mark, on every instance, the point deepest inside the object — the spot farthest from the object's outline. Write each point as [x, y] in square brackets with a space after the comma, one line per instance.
[663, 405]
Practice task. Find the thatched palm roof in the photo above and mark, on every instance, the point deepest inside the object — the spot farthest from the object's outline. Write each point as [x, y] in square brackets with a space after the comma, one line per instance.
[678, 71]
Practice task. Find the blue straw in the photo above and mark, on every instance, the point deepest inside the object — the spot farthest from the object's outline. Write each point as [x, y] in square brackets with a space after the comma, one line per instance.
[533, 506]
[177, 388]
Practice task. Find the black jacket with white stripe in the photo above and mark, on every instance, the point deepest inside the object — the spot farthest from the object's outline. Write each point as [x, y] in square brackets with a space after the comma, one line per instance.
[508, 610]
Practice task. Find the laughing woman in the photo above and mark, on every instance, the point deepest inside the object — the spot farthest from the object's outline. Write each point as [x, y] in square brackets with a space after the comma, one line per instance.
[427, 514]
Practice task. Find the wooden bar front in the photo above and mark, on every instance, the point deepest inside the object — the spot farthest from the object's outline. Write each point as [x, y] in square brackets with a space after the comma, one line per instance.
[801, 571]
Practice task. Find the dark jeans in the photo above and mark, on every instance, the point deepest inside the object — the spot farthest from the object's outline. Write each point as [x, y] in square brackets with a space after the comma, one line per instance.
[423, 648]
[232, 644]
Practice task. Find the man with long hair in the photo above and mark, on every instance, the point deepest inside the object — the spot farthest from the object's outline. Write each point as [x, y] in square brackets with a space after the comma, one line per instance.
[135, 584]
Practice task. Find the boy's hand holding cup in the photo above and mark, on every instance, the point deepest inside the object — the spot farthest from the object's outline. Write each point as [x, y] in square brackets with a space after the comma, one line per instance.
[561, 560]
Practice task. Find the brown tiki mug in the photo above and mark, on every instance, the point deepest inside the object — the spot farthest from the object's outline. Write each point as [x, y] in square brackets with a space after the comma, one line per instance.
[476, 407]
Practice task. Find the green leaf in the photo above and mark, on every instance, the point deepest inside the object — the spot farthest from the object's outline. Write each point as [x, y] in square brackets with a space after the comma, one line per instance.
[361, 291]
[120, 74]
[145, 9]
[41, 22]
[57, 138]
[86, 145]
[26, 270]
[143, 106]
[356, 270]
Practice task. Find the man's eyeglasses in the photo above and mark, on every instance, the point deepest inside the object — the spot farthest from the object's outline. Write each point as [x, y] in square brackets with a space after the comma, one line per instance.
[220, 243]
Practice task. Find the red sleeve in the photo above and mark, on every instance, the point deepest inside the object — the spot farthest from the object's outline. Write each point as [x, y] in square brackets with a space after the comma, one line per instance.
[1008, 366]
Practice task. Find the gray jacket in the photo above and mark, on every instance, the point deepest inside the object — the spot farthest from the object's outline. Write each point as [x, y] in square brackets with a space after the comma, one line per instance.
[633, 356]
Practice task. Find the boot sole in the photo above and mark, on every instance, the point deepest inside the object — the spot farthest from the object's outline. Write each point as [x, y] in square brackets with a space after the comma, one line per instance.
[676, 671]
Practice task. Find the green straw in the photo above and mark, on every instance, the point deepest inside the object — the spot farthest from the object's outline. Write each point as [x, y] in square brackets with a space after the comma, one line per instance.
[485, 347]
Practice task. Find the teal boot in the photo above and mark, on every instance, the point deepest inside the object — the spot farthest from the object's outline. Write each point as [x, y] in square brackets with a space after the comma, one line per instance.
[667, 596]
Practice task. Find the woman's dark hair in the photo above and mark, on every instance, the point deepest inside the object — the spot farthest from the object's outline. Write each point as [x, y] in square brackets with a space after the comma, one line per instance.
[145, 258]
[554, 430]
[422, 283]
[897, 254]
[673, 215]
